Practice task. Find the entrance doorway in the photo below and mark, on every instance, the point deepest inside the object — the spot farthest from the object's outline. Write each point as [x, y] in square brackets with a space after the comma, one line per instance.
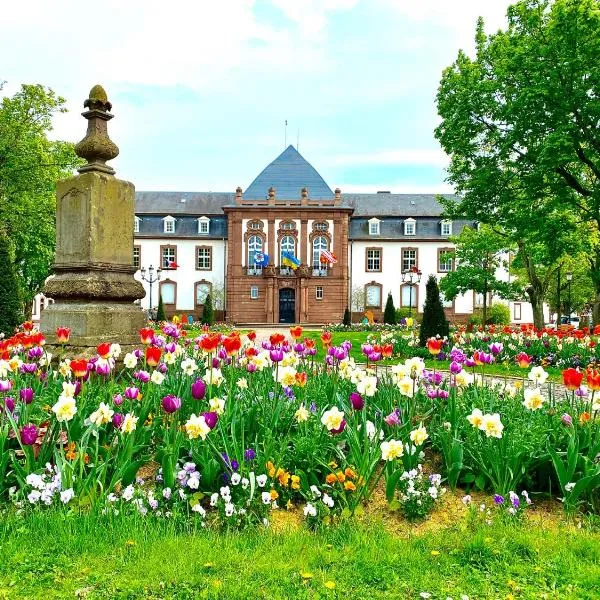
[287, 305]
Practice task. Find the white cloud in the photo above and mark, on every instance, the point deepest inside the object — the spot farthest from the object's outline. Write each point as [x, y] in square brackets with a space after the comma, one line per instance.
[403, 156]
[312, 15]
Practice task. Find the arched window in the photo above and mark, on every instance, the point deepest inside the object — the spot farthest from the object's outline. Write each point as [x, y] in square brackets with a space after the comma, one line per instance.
[255, 245]
[319, 243]
[288, 244]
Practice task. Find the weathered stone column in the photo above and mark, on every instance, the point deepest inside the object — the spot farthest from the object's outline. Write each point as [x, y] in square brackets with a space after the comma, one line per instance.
[93, 288]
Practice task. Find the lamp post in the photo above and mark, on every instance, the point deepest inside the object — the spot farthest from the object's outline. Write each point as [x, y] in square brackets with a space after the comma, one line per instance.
[411, 277]
[569, 279]
[151, 279]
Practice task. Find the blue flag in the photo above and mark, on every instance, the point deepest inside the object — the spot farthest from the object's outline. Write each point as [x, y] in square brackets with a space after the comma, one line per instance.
[261, 259]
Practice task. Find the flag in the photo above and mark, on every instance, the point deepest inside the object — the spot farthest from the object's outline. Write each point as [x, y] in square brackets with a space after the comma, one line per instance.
[261, 259]
[172, 264]
[328, 257]
[289, 260]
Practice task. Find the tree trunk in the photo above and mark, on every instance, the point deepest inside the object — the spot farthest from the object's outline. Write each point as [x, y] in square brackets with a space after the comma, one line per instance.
[595, 274]
[536, 298]
[536, 290]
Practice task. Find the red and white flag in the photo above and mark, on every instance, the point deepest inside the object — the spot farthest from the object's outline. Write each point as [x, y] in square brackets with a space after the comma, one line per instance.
[328, 257]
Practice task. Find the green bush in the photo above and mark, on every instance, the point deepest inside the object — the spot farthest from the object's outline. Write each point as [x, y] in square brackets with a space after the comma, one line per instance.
[11, 308]
[498, 314]
[160, 312]
[208, 315]
[389, 315]
[434, 321]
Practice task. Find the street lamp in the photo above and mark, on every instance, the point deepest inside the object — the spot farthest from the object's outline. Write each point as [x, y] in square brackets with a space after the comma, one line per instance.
[151, 279]
[411, 277]
[569, 279]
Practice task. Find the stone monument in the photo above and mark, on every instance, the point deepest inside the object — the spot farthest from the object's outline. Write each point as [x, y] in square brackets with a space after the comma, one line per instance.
[93, 287]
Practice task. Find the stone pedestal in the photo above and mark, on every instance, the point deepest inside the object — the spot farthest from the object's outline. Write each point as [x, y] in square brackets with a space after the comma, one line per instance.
[93, 287]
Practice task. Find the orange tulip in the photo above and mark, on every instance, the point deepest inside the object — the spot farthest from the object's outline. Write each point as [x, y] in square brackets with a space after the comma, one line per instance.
[276, 339]
[592, 377]
[232, 344]
[523, 360]
[572, 378]
[309, 343]
[326, 338]
[434, 345]
[153, 355]
[62, 335]
[296, 332]
[210, 342]
[387, 350]
[301, 379]
[251, 335]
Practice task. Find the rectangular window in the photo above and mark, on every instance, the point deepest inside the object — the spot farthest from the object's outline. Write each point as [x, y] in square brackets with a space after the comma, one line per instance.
[319, 292]
[167, 292]
[203, 258]
[446, 228]
[322, 226]
[374, 259]
[169, 225]
[168, 257]
[202, 290]
[203, 226]
[445, 261]
[409, 227]
[409, 259]
[373, 296]
[254, 292]
[374, 228]
[288, 226]
[137, 256]
[408, 296]
[517, 311]
[136, 225]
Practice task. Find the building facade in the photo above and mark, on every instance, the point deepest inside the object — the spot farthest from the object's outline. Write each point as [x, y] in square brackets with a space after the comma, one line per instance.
[237, 247]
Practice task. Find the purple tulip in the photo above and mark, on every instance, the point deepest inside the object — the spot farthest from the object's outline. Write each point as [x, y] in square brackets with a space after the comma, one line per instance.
[162, 368]
[77, 388]
[118, 399]
[443, 394]
[299, 348]
[9, 404]
[455, 367]
[171, 403]
[138, 353]
[103, 368]
[496, 348]
[567, 420]
[222, 354]
[26, 395]
[357, 401]
[346, 345]
[131, 393]
[393, 418]
[311, 351]
[374, 356]
[170, 347]
[142, 376]
[469, 362]
[266, 345]
[251, 367]
[431, 393]
[276, 355]
[29, 434]
[117, 420]
[198, 389]
[366, 349]
[457, 355]
[36, 352]
[28, 368]
[211, 419]
[216, 362]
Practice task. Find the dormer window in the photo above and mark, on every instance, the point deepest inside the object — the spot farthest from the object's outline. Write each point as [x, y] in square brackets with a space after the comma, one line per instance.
[136, 224]
[374, 226]
[446, 228]
[204, 225]
[410, 227]
[169, 224]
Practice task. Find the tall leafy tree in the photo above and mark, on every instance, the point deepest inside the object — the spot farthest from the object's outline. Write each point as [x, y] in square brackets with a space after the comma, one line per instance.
[479, 256]
[11, 313]
[30, 164]
[520, 123]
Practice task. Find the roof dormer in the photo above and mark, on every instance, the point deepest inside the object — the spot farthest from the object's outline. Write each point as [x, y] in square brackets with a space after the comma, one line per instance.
[374, 226]
[203, 225]
[169, 224]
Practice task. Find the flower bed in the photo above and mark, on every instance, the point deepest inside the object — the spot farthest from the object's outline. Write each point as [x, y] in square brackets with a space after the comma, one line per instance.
[223, 430]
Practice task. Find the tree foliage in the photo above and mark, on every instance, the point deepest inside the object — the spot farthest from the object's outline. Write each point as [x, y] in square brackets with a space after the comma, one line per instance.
[30, 164]
[519, 121]
[479, 255]
[434, 321]
[160, 311]
[208, 316]
[389, 314]
[11, 313]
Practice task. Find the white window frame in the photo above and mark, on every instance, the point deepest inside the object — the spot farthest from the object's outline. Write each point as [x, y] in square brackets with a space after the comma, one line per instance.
[254, 292]
[319, 292]
[410, 224]
[374, 226]
[203, 222]
[136, 224]
[446, 225]
[169, 224]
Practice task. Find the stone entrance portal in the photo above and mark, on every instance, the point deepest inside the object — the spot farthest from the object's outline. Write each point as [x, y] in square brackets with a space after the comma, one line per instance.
[287, 305]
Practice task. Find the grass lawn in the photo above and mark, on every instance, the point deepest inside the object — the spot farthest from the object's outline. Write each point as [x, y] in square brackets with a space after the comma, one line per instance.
[54, 556]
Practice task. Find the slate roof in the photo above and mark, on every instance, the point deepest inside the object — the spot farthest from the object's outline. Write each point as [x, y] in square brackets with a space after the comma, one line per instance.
[384, 204]
[392, 228]
[288, 174]
[152, 226]
[169, 203]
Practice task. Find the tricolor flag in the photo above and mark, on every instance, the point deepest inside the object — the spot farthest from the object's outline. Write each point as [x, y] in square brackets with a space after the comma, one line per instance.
[289, 260]
[172, 264]
[261, 259]
[327, 257]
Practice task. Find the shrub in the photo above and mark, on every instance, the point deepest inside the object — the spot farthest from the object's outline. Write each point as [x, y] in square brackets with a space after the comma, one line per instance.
[434, 320]
[389, 315]
[160, 312]
[347, 318]
[11, 314]
[498, 314]
[208, 316]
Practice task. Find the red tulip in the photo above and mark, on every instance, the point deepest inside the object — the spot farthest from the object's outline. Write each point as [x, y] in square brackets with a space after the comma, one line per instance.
[232, 344]
[572, 378]
[276, 339]
[63, 334]
[103, 350]
[210, 342]
[434, 345]
[153, 355]
[296, 332]
[79, 367]
[326, 338]
[523, 360]
[146, 335]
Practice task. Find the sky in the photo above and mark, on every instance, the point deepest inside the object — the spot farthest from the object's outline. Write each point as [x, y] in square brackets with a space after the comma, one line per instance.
[201, 89]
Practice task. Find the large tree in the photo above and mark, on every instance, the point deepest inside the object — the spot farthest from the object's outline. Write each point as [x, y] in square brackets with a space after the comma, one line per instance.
[30, 164]
[480, 255]
[520, 123]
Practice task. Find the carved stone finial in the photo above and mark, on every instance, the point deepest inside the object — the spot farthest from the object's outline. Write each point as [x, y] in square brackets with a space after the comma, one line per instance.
[337, 192]
[271, 192]
[96, 147]
[304, 192]
[238, 191]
